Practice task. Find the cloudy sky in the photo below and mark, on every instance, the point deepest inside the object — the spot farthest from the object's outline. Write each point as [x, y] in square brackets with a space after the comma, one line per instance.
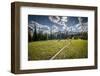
[58, 23]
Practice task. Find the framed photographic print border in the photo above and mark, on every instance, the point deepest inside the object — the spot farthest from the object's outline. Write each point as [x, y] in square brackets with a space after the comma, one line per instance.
[15, 37]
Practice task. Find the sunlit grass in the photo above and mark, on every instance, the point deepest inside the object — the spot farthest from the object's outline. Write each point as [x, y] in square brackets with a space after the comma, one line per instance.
[44, 50]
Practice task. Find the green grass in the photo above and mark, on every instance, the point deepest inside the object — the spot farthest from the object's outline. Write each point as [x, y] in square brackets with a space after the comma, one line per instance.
[44, 50]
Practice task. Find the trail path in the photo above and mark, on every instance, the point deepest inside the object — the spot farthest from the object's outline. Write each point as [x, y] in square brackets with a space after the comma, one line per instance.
[59, 51]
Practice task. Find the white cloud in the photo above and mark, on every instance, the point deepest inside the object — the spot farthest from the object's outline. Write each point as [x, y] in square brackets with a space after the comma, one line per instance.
[43, 28]
[60, 24]
[64, 19]
[82, 27]
[54, 19]
[80, 20]
[59, 21]
[55, 28]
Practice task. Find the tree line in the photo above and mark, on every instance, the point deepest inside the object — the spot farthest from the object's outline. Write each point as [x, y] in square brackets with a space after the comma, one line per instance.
[38, 35]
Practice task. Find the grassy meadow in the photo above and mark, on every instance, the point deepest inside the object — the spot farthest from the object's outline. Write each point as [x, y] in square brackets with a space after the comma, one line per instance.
[44, 50]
